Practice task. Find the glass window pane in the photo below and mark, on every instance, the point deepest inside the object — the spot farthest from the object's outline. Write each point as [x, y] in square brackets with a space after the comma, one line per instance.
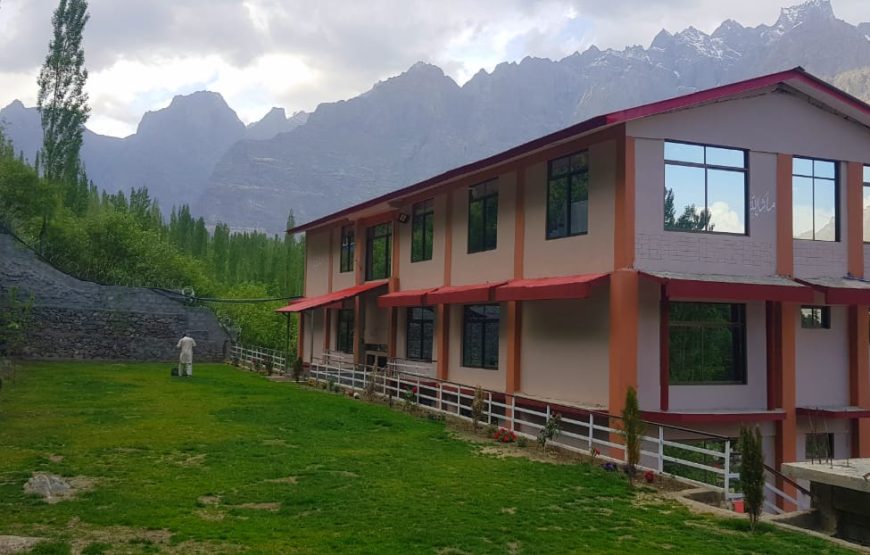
[867, 174]
[866, 214]
[414, 340]
[559, 167]
[681, 152]
[823, 168]
[686, 187]
[475, 226]
[802, 166]
[557, 208]
[579, 203]
[726, 157]
[490, 348]
[825, 210]
[802, 208]
[428, 235]
[579, 161]
[491, 219]
[472, 347]
[726, 201]
[426, 340]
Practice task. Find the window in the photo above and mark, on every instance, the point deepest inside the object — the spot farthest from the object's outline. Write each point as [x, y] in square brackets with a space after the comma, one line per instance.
[347, 240]
[379, 244]
[480, 336]
[482, 216]
[707, 343]
[867, 203]
[345, 330]
[705, 188]
[422, 230]
[814, 200]
[819, 447]
[816, 317]
[421, 328]
[568, 196]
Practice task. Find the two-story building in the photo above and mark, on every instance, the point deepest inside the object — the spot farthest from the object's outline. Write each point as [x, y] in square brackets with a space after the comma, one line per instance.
[709, 250]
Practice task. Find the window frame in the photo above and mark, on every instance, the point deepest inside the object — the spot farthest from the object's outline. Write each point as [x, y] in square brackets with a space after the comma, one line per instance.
[568, 175]
[345, 330]
[824, 319]
[740, 372]
[486, 320]
[423, 215]
[837, 211]
[347, 247]
[410, 320]
[488, 196]
[745, 171]
[371, 237]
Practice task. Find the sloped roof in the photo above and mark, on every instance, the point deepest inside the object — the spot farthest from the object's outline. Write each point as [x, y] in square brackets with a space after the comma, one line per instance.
[797, 78]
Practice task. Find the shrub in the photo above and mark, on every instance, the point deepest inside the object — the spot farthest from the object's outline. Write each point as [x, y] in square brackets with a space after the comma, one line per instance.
[632, 427]
[297, 369]
[752, 472]
[550, 430]
[477, 406]
[503, 435]
[371, 385]
[409, 397]
[522, 442]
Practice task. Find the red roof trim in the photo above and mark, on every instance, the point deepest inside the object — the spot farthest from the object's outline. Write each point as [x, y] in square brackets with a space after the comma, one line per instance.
[841, 295]
[568, 287]
[711, 417]
[329, 298]
[834, 413]
[701, 289]
[463, 294]
[404, 298]
[598, 122]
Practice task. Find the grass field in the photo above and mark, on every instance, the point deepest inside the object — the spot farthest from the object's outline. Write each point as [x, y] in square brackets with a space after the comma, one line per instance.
[228, 462]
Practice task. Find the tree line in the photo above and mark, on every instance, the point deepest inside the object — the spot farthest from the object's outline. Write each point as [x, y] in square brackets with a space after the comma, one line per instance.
[123, 238]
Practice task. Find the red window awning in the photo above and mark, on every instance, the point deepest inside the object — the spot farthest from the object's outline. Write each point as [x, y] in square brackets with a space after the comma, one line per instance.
[841, 291]
[735, 288]
[566, 287]
[334, 297]
[459, 294]
[415, 297]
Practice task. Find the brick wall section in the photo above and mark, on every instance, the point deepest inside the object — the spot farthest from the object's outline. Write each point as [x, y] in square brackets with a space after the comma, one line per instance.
[74, 319]
[684, 250]
[819, 259]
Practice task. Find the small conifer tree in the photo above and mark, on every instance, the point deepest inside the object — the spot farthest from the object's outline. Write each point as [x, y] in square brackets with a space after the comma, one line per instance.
[752, 472]
[477, 406]
[632, 427]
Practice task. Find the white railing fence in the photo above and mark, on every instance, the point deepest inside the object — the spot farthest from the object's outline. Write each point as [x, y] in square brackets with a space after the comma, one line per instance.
[702, 459]
[259, 358]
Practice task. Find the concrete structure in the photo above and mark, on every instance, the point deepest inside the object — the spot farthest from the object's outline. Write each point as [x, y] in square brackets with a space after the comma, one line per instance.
[739, 301]
[841, 495]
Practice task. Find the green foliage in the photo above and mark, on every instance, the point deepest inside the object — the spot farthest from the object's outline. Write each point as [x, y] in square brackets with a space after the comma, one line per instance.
[551, 429]
[752, 472]
[62, 100]
[14, 318]
[691, 219]
[477, 407]
[632, 427]
[297, 370]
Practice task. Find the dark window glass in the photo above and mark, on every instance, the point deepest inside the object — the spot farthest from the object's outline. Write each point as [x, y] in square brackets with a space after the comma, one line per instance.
[421, 330]
[705, 188]
[480, 336]
[379, 244]
[819, 446]
[707, 343]
[345, 331]
[568, 196]
[816, 317]
[815, 213]
[422, 231]
[482, 216]
[347, 241]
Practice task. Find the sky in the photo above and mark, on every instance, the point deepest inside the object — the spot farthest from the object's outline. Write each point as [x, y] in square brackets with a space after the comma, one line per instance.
[296, 54]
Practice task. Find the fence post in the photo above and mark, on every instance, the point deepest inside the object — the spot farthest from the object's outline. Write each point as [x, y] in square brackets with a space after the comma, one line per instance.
[591, 430]
[418, 391]
[513, 413]
[661, 449]
[727, 465]
[489, 408]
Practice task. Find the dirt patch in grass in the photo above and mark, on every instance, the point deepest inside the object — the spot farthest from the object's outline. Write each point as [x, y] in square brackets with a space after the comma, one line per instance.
[271, 507]
[509, 510]
[55, 458]
[208, 500]
[54, 489]
[285, 480]
[17, 544]
[211, 514]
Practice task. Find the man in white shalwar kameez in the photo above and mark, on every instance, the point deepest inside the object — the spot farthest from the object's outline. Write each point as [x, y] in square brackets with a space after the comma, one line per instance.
[185, 361]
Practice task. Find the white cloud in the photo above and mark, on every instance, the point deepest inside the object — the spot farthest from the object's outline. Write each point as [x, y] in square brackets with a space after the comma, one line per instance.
[297, 53]
[725, 219]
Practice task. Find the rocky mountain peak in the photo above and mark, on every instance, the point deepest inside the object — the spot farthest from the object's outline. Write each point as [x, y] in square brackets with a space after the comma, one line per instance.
[204, 110]
[811, 10]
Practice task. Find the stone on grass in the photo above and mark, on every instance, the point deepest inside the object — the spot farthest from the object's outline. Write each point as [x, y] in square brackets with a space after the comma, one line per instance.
[53, 488]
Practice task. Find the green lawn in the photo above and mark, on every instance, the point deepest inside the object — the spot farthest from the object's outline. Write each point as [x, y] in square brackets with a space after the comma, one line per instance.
[229, 462]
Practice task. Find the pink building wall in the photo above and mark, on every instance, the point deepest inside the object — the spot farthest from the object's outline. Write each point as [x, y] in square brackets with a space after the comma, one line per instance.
[822, 362]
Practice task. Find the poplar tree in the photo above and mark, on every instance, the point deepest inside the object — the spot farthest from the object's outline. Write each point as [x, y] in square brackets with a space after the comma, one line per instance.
[62, 101]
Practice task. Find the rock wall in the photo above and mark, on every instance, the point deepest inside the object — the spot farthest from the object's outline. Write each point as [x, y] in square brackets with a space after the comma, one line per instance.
[75, 319]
